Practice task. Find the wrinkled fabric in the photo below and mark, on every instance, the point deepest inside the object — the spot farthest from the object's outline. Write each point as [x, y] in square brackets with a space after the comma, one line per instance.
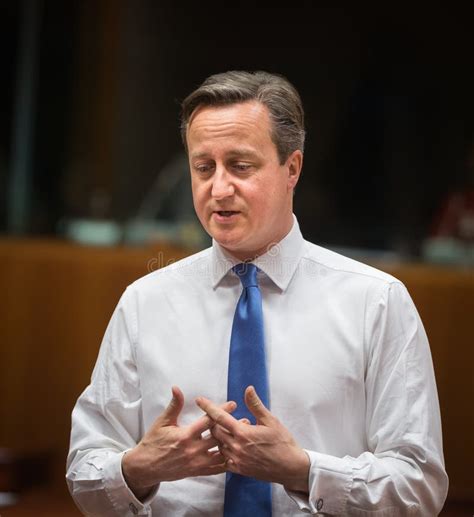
[350, 375]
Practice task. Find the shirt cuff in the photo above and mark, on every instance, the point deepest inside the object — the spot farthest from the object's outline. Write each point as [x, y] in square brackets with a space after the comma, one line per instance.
[122, 498]
[330, 482]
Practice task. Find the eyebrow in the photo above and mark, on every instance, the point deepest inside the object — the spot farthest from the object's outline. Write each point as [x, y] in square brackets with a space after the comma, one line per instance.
[234, 153]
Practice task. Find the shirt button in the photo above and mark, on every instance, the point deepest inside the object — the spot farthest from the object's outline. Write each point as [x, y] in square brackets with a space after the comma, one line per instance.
[319, 504]
[133, 508]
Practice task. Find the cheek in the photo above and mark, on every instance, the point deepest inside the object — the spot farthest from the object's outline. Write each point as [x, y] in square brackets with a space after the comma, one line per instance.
[198, 195]
[270, 200]
[262, 213]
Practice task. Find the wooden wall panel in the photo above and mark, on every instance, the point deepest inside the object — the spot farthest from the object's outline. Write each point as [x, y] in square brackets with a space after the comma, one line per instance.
[56, 301]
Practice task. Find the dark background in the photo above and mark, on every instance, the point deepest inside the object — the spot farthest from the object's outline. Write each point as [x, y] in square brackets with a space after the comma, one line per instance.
[388, 94]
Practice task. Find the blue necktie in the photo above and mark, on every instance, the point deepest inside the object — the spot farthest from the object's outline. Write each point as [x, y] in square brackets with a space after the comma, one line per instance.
[245, 496]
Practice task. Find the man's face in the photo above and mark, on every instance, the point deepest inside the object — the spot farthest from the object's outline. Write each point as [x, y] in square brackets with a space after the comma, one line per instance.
[242, 195]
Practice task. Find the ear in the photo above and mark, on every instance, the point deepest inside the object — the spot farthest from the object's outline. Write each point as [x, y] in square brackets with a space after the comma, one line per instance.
[294, 163]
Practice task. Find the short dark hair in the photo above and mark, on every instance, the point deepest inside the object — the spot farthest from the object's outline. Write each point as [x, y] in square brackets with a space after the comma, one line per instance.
[272, 90]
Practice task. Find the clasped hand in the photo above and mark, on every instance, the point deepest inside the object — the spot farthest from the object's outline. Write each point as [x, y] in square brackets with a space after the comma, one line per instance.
[265, 451]
[169, 452]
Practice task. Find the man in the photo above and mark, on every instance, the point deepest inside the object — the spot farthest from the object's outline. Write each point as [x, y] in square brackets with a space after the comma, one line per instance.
[349, 423]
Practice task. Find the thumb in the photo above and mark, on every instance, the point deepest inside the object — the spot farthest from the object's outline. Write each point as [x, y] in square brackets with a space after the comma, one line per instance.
[172, 411]
[255, 405]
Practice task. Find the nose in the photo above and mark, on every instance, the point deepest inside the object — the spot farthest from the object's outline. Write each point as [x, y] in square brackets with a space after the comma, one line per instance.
[222, 185]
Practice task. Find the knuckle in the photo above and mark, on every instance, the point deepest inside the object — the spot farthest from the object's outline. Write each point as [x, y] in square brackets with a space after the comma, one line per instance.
[180, 442]
[218, 418]
[185, 445]
[192, 455]
[186, 435]
[239, 432]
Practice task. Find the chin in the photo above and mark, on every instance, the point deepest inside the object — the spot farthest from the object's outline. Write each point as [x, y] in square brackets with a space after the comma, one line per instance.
[231, 245]
[228, 244]
[225, 237]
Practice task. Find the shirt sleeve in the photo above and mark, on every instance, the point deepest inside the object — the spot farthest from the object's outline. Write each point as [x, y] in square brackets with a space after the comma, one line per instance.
[106, 422]
[402, 472]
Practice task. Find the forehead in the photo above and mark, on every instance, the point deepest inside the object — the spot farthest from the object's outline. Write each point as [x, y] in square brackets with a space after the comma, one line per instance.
[247, 121]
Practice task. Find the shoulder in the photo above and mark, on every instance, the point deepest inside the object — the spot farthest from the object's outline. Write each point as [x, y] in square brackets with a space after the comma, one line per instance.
[378, 294]
[184, 271]
[344, 267]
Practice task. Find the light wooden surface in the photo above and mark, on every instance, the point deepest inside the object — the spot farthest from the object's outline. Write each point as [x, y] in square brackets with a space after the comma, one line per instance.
[58, 297]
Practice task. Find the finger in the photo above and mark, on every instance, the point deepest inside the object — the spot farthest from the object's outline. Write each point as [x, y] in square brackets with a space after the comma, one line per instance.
[221, 429]
[172, 411]
[205, 422]
[218, 415]
[229, 407]
[255, 405]
[208, 443]
[222, 436]
[216, 457]
[245, 421]
[209, 465]
[225, 452]
[230, 466]
[201, 425]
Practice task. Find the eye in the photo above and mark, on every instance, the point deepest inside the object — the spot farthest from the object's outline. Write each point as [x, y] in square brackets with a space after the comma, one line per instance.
[203, 168]
[241, 167]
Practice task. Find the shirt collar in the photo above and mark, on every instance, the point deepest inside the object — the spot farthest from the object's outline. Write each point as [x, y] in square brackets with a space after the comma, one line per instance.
[279, 263]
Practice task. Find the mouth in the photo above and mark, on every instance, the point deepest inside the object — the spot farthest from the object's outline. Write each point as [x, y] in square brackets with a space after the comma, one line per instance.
[225, 213]
[225, 216]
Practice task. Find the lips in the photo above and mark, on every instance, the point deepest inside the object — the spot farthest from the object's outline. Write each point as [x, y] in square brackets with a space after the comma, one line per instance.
[226, 213]
[225, 216]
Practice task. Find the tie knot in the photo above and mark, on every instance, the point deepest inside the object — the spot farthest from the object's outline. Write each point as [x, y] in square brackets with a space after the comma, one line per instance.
[247, 273]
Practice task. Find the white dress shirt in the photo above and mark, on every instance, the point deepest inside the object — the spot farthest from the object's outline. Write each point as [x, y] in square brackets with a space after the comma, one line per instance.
[350, 375]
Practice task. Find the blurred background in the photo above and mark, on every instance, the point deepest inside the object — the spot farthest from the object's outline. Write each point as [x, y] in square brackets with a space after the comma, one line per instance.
[94, 187]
